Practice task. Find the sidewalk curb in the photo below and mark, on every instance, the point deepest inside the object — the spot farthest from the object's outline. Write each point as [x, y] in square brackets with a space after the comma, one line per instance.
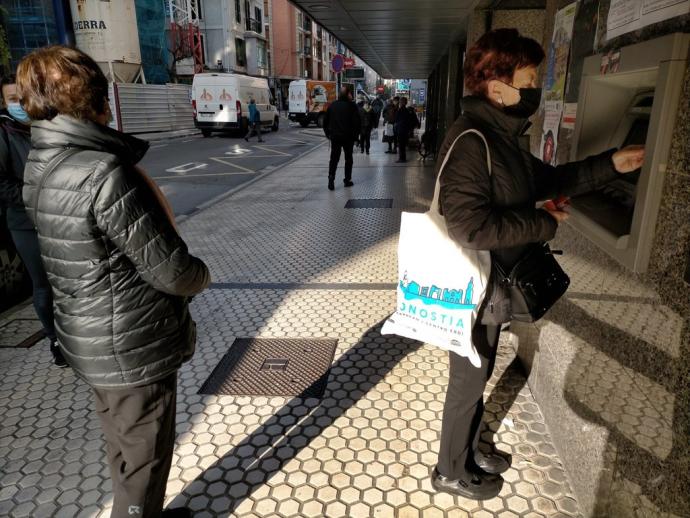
[209, 203]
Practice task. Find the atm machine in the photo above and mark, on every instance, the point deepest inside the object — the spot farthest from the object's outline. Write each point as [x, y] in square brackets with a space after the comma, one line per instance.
[637, 104]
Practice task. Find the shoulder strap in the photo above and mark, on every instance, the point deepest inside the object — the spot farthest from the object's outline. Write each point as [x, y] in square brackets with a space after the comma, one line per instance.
[52, 165]
[437, 189]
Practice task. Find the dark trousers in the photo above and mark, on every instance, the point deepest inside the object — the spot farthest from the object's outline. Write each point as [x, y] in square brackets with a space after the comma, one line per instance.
[139, 428]
[337, 146]
[464, 407]
[26, 242]
[256, 130]
[365, 141]
[402, 138]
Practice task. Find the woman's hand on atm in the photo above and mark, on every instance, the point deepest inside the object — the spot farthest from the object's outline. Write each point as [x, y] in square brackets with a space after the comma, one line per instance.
[628, 159]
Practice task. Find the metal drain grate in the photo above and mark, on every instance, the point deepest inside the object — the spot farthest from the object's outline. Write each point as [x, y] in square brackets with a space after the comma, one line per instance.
[369, 203]
[273, 367]
[21, 333]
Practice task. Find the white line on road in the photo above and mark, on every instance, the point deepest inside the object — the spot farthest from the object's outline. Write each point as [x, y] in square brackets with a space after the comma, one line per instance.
[183, 168]
[267, 148]
[204, 175]
[295, 140]
[224, 160]
[157, 146]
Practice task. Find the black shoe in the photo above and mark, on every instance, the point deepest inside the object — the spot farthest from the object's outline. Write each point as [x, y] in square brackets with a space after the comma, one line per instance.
[478, 487]
[178, 512]
[331, 185]
[246, 138]
[388, 152]
[58, 358]
[349, 183]
[367, 152]
[491, 463]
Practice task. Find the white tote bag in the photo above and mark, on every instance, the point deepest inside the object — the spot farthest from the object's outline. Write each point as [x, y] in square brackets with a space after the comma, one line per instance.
[389, 130]
[441, 284]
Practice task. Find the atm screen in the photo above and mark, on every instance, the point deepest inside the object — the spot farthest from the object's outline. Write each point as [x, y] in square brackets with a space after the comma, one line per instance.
[612, 206]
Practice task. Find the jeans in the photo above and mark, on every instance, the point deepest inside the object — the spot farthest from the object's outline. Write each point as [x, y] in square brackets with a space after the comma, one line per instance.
[26, 242]
[365, 141]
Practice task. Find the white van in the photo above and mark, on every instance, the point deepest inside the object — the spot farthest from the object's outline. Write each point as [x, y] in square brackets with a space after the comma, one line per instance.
[220, 102]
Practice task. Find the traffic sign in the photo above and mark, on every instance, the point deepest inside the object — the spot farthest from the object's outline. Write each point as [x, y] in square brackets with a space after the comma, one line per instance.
[338, 63]
[349, 62]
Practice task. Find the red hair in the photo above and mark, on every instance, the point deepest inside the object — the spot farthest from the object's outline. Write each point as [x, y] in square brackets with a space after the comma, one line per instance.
[497, 55]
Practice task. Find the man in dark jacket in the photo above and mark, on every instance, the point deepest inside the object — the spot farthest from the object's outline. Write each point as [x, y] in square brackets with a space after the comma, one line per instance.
[405, 123]
[341, 126]
[15, 143]
[368, 119]
[121, 275]
[389, 113]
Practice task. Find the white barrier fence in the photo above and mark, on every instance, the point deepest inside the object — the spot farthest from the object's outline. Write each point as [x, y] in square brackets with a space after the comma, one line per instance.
[141, 108]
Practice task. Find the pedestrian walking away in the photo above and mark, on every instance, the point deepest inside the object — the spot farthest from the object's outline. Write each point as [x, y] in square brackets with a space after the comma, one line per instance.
[493, 208]
[341, 126]
[121, 274]
[389, 119]
[254, 121]
[405, 123]
[15, 143]
[368, 121]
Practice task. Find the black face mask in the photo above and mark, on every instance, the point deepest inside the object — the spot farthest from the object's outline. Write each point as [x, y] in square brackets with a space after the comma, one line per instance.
[530, 98]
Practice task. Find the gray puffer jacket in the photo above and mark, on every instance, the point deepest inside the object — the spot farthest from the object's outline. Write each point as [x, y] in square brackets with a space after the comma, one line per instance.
[120, 273]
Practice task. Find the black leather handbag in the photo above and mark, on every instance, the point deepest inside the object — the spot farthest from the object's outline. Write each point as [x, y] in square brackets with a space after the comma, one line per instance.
[535, 283]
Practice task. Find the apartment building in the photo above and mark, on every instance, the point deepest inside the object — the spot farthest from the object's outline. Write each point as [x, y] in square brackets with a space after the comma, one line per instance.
[233, 36]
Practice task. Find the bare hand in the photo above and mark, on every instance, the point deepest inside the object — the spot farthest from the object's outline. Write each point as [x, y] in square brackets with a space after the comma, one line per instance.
[628, 159]
[559, 215]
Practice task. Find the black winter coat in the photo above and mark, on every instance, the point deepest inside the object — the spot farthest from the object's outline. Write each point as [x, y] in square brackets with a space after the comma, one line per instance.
[368, 120]
[498, 213]
[119, 271]
[15, 144]
[342, 121]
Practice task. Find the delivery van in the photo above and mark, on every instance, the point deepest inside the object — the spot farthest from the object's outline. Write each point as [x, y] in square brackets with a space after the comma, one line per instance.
[309, 101]
[220, 103]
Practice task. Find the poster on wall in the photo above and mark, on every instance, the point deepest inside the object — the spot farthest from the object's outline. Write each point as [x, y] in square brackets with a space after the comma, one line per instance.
[569, 116]
[630, 15]
[549, 138]
[584, 36]
[559, 49]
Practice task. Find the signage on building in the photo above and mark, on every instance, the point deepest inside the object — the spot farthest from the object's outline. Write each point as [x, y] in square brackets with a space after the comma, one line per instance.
[422, 95]
[403, 84]
[338, 63]
[349, 62]
[380, 89]
[354, 73]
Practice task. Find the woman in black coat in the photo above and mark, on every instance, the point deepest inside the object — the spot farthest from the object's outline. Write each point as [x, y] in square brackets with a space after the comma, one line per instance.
[498, 213]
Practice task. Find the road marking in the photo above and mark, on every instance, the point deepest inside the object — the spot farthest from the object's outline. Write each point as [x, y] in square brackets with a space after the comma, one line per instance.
[190, 166]
[233, 173]
[267, 148]
[189, 140]
[294, 140]
[238, 151]
[158, 146]
[224, 160]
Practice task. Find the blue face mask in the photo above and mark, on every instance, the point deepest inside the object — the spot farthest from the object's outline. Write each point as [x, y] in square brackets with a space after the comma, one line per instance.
[17, 113]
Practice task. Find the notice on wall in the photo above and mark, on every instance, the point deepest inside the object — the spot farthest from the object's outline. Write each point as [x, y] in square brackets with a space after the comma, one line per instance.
[569, 116]
[549, 138]
[630, 15]
[559, 50]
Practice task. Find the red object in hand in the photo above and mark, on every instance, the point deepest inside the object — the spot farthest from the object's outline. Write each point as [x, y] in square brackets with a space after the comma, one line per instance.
[557, 204]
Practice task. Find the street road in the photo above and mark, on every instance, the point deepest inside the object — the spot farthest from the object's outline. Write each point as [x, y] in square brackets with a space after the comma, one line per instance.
[194, 170]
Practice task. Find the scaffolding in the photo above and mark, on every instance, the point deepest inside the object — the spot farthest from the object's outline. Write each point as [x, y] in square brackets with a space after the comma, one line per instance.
[185, 37]
[152, 25]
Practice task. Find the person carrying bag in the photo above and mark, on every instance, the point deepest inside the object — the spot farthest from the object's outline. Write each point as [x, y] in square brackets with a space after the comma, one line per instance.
[492, 236]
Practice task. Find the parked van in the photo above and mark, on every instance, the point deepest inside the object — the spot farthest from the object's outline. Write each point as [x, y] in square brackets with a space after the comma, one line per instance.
[309, 101]
[220, 103]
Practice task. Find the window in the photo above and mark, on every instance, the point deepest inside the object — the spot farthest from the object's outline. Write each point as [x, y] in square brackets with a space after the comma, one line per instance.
[247, 16]
[262, 58]
[199, 11]
[240, 53]
[238, 12]
[257, 18]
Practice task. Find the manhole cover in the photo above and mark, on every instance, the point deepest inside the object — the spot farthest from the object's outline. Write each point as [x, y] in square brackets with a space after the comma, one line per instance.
[273, 367]
[369, 203]
[21, 333]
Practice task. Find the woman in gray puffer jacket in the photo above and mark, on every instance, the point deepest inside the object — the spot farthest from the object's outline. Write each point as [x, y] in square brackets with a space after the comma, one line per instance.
[120, 273]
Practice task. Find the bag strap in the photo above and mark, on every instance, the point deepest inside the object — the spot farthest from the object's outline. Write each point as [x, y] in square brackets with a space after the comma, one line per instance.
[437, 188]
[52, 165]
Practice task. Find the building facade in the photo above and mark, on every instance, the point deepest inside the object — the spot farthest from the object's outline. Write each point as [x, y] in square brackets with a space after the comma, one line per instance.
[233, 36]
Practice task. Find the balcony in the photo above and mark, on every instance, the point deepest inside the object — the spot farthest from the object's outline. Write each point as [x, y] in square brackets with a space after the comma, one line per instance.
[252, 25]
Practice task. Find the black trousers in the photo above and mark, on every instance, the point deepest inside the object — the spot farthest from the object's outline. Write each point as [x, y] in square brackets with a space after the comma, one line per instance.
[26, 242]
[402, 138]
[139, 428]
[464, 406]
[339, 145]
[365, 141]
